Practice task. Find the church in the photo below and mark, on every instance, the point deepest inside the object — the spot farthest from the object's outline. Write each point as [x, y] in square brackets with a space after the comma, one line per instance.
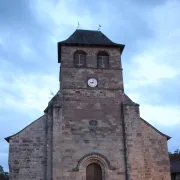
[91, 130]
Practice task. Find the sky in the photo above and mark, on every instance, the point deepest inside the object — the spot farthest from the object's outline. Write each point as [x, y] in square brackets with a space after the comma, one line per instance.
[29, 69]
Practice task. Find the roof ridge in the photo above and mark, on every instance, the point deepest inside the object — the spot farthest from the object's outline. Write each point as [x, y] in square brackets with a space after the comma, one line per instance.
[88, 30]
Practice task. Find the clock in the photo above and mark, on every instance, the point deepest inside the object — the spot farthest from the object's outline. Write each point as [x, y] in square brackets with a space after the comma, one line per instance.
[92, 82]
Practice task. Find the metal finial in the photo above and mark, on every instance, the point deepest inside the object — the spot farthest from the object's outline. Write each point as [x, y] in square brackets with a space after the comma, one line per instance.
[78, 25]
[99, 27]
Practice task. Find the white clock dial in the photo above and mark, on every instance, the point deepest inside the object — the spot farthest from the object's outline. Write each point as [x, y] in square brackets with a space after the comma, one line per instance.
[92, 82]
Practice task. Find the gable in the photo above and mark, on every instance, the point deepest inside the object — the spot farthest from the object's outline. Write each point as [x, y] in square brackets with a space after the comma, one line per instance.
[33, 125]
[152, 128]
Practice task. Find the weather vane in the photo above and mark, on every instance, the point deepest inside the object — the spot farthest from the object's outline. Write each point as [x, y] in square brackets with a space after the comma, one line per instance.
[99, 27]
[78, 25]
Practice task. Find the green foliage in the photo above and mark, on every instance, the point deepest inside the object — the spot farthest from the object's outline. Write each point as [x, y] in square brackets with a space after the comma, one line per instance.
[3, 175]
[177, 151]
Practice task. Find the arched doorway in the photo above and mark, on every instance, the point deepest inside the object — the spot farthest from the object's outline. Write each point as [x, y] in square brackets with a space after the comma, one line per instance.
[93, 172]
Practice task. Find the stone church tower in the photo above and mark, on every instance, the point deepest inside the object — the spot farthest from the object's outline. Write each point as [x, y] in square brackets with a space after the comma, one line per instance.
[91, 130]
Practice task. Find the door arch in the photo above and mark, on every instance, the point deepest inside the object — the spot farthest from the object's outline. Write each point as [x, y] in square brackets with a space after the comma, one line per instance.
[93, 172]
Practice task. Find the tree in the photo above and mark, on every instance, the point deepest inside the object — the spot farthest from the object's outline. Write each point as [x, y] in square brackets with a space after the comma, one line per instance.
[3, 175]
[177, 151]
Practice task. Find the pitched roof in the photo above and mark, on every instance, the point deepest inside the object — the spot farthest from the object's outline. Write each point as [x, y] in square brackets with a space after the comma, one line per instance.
[128, 101]
[88, 38]
[56, 97]
[9, 137]
[175, 163]
[168, 137]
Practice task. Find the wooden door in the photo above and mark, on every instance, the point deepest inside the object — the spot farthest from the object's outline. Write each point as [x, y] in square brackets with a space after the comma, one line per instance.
[94, 172]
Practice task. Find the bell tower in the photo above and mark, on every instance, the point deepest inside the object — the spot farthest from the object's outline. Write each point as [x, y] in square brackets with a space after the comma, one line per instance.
[89, 128]
[90, 61]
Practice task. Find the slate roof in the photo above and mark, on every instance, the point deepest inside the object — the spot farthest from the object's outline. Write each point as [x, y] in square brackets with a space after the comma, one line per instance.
[128, 101]
[175, 163]
[88, 38]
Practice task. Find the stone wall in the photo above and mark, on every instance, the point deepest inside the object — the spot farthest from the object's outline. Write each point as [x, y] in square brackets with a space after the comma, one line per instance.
[67, 55]
[71, 77]
[27, 152]
[147, 152]
[74, 137]
[134, 146]
[156, 158]
[76, 142]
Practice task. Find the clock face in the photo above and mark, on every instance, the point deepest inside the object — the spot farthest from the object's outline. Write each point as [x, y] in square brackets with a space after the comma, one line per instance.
[92, 82]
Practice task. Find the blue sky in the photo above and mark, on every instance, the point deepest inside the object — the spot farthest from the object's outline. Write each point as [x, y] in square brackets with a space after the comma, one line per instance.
[30, 30]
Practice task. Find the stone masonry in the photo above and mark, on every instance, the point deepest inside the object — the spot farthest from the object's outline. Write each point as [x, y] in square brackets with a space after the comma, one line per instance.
[84, 125]
[27, 152]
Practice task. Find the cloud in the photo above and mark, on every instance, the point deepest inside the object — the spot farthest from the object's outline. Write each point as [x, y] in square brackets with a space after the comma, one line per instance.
[152, 74]
[28, 55]
[27, 93]
[61, 13]
[28, 70]
[164, 115]
[147, 68]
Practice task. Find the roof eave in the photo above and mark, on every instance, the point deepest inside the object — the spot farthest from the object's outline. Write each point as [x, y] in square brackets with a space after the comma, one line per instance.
[7, 139]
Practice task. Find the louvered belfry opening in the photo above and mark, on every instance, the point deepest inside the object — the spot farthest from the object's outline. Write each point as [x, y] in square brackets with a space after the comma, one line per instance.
[93, 172]
[80, 59]
[102, 60]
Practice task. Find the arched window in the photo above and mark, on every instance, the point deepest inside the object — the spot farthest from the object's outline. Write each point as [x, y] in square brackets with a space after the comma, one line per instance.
[102, 60]
[80, 59]
[93, 172]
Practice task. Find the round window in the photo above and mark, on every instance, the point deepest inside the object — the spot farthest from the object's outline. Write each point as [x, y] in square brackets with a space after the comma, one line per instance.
[93, 123]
